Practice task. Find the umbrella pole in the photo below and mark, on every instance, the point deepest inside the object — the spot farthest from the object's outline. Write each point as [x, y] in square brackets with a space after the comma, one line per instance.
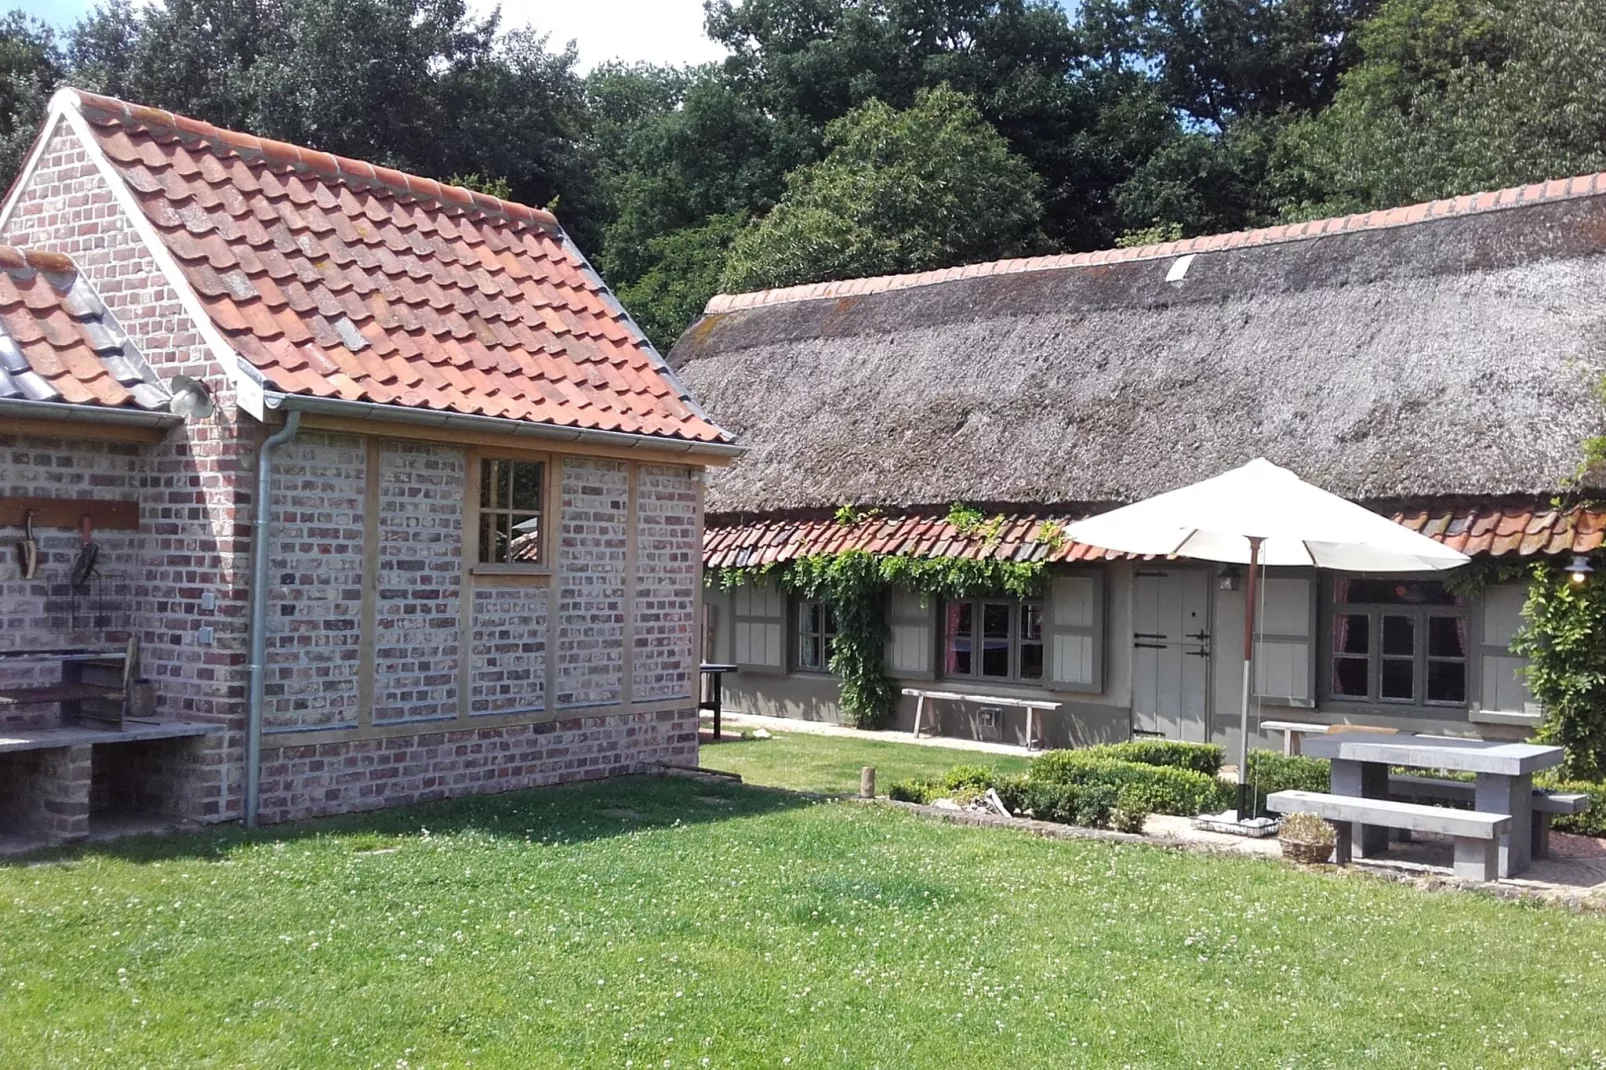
[1249, 655]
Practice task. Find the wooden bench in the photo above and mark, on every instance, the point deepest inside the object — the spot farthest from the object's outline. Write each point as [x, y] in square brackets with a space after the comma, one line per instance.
[1546, 804]
[1031, 706]
[1477, 835]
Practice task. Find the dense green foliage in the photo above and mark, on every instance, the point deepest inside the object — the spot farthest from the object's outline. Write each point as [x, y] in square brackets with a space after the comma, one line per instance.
[1564, 639]
[1203, 758]
[791, 159]
[1159, 789]
[651, 920]
[897, 191]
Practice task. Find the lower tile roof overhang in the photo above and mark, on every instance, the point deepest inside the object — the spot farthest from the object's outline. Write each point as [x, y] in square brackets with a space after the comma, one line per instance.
[496, 425]
[1494, 527]
[24, 409]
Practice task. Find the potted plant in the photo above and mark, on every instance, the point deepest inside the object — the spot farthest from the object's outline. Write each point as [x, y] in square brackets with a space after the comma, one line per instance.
[1306, 838]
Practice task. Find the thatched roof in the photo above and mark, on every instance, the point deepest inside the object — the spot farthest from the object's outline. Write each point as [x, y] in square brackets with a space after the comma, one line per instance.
[1450, 349]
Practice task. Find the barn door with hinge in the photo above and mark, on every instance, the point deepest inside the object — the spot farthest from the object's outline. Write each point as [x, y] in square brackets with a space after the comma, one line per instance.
[1171, 652]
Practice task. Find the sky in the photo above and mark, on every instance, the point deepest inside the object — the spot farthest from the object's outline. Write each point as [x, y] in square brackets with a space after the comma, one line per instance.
[654, 31]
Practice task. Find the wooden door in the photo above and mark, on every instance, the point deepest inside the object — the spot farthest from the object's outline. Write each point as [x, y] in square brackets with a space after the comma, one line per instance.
[1171, 653]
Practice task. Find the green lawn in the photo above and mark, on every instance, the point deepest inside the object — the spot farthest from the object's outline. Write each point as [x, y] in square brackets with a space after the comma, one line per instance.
[831, 763]
[653, 923]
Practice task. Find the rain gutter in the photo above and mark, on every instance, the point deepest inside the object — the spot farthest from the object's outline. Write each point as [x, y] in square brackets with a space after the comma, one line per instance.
[495, 425]
[259, 611]
[24, 409]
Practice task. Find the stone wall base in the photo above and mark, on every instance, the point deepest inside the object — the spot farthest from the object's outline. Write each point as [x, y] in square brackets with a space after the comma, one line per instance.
[337, 778]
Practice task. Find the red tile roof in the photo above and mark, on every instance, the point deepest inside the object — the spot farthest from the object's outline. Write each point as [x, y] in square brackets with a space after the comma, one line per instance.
[58, 343]
[340, 279]
[1496, 529]
[1470, 204]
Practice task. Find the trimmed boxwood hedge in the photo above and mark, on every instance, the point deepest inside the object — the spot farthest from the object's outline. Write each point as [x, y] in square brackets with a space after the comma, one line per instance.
[1166, 789]
[1203, 758]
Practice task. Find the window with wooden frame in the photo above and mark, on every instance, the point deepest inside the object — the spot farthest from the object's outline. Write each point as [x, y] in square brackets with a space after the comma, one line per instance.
[1396, 642]
[816, 635]
[993, 639]
[512, 512]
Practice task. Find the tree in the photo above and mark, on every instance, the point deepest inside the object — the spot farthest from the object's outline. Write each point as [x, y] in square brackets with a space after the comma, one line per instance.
[30, 67]
[685, 273]
[928, 187]
[1218, 60]
[1453, 96]
[1083, 129]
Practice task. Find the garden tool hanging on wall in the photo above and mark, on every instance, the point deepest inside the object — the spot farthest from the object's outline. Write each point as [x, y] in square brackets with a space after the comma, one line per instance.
[28, 548]
[83, 567]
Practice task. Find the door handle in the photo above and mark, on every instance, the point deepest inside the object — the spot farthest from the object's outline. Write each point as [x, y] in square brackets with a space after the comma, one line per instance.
[1201, 636]
[1198, 653]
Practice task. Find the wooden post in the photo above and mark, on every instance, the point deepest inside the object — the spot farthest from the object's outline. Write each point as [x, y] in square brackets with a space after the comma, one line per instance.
[867, 782]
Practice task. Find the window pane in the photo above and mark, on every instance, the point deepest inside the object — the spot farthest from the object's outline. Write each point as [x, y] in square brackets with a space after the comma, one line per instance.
[494, 529]
[1399, 636]
[1447, 637]
[526, 477]
[525, 543]
[1031, 661]
[809, 655]
[1349, 677]
[808, 617]
[1398, 679]
[958, 624]
[1031, 623]
[1352, 634]
[1393, 593]
[828, 619]
[995, 638]
[1447, 681]
[493, 484]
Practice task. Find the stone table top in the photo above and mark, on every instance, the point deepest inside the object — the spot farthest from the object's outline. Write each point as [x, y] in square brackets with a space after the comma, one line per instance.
[1433, 752]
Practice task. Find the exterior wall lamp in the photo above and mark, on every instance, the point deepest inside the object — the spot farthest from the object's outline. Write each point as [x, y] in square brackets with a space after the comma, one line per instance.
[1579, 569]
[1229, 578]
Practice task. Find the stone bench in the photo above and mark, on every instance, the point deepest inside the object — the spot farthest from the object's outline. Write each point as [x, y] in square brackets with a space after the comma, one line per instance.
[1546, 804]
[1476, 835]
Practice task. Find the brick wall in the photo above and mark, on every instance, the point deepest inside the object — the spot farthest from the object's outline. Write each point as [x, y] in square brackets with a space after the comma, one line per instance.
[300, 782]
[420, 580]
[315, 562]
[194, 488]
[593, 535]
[667, 548]
[509, 650]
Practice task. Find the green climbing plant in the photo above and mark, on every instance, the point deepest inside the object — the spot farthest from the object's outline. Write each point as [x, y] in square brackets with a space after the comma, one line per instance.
[1564, 639]
[856, 583]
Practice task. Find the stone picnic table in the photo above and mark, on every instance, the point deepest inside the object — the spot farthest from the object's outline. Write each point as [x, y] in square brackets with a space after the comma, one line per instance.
[1504, 785]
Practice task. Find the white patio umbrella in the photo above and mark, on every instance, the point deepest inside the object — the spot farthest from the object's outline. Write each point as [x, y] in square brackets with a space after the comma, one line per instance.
[1259, 515]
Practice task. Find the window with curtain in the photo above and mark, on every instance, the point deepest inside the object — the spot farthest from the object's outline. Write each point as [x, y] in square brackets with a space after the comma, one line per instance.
[993, 639]
[1394, 642]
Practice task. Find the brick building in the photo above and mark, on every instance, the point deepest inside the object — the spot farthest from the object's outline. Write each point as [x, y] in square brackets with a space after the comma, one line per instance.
[481, 563]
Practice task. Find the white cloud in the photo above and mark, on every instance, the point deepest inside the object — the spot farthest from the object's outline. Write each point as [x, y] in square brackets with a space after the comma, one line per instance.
[655, 31]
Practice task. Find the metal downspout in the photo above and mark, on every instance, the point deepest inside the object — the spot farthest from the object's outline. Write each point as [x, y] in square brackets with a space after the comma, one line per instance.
[259, 610]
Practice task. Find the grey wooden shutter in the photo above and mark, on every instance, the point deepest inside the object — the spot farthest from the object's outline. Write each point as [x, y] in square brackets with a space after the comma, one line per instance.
[911, 634]
[1074, 619]
[1503, 689]
[758, 614]
[1285, 670]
